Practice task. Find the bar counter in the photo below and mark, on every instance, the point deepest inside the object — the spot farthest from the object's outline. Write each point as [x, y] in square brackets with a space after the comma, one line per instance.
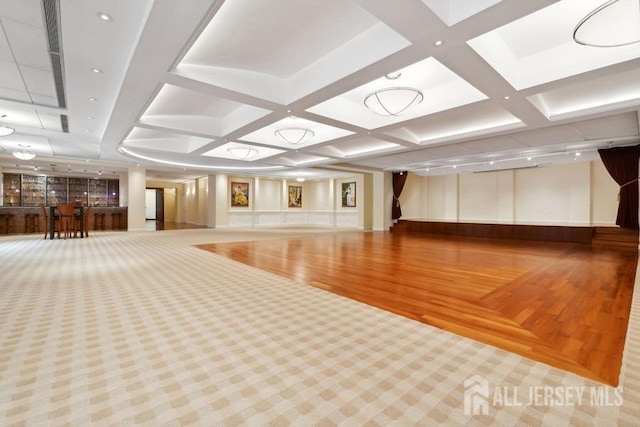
[16, 218]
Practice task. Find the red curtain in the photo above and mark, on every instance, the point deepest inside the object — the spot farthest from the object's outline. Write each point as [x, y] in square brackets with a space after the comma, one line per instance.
[622, 165]
[399, 178]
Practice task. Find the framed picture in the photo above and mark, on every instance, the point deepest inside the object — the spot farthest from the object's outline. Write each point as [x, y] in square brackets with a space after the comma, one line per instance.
[239, 194]
[348, 194]
[295, 196]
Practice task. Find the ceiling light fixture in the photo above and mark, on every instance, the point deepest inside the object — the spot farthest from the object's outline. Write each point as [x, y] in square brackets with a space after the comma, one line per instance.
[615, 23]
[393, 101]
[243, 153]
[295, 135]
[104, 17]
[23, 153]
[300, 179]
[6, 130]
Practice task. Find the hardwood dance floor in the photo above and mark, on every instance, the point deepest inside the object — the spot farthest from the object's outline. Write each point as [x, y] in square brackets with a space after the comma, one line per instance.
[563, 304]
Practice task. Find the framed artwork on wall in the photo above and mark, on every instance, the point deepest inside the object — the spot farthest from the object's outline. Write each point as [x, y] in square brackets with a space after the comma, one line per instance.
[239, 194]
[295, 196]
[348, 194]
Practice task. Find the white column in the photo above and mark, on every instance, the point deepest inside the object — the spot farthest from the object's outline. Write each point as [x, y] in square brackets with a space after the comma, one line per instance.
[382, 198]
[124, 188]
[180, 202]
[255, 204]
[136, 188]
[201, 200]
[284, 198]
[334, 201]
[211, 201]
[222, 200]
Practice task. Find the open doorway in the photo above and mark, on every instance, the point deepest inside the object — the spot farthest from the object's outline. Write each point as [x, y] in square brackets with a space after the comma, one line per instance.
[154, 208]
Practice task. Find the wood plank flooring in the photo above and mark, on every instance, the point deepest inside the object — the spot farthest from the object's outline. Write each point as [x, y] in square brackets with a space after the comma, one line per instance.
[563, 304]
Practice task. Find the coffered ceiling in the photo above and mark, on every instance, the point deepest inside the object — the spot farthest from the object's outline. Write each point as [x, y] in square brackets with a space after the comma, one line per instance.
[173, 86]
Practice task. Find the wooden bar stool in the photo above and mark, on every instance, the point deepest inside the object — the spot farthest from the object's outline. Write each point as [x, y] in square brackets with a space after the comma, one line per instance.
[45, 215]
[85, 220]
[31, 223]
[98, 221]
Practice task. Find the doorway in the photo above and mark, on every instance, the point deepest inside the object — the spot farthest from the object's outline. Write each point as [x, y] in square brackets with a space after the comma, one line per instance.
[154, 206]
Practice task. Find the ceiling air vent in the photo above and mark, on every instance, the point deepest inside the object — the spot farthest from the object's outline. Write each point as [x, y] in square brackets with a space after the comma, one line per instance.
[51, 10]
[64, 123]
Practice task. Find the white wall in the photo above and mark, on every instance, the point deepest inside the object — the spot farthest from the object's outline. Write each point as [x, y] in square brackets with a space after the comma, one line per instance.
[268, 202]
[319, 196]
[479, 197]
[268, 194]
[436, 188]
[571, 194]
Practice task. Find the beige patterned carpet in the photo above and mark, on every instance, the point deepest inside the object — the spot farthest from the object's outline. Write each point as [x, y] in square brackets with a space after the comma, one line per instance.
[145, 329]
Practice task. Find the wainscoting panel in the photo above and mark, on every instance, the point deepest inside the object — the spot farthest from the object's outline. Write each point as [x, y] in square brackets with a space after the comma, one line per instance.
[268, 218]
[346, 219]
[293, 217]
[240, 219]
[322, 217]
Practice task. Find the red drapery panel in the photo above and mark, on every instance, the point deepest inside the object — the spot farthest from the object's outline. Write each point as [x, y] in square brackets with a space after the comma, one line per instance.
[399, 178]
[622, 165]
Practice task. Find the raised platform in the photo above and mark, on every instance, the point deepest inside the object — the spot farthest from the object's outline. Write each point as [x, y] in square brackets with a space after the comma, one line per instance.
[609, 237]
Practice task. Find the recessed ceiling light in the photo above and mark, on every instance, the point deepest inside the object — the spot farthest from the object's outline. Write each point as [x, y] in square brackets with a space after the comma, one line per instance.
[438, 43]
[506, 97]
[96, 70]
[92, 99]
[6, 130]
[104, 17]
[90, 118]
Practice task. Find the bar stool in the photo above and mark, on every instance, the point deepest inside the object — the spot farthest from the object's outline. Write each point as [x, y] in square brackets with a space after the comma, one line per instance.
[85, 220]
[98, 221]
[116, 220]
[5, 222]
[31, 222]
[45, 215]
